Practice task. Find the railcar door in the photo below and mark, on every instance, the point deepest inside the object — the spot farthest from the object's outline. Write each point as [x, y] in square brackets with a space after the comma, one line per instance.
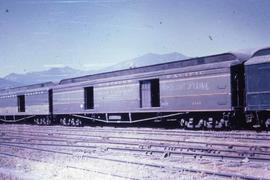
[145, 92]
[89, 98]
[237, 86]
[50, 101]
[21, 103]
[149, 93]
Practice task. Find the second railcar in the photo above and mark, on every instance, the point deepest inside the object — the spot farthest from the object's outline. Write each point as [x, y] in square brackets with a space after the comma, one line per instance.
[27, 103]
[257, 73]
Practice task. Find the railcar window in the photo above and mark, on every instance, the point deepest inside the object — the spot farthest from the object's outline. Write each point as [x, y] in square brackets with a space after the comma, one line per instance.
[89, 98]
[149, 93]
[21, 103]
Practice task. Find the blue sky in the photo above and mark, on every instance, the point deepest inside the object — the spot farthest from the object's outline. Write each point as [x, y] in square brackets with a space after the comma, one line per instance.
[89, 34]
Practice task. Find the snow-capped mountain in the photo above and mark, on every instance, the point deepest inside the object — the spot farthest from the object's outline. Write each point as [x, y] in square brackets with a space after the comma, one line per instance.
[57, 74]
[53, 74]
[8, 84]
[145, 60]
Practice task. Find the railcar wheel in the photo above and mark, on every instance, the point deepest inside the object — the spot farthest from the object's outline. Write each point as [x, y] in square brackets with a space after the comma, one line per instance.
[64, 121]
[186, 124]
[48, 121]
[267, 124]
[190, 123]
[210, 123]
[200, 124]
[72, 122]
[219, 124]
[182, 123]
[37, 121]
[78, 122]
[68, 123]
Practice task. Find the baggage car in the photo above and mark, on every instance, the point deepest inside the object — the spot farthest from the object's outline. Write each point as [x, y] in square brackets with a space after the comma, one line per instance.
[198, 92]
[27, 103]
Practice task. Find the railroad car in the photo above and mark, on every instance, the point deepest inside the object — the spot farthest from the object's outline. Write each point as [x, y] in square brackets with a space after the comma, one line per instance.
[257, 80]
[27, 103]
[204, 92]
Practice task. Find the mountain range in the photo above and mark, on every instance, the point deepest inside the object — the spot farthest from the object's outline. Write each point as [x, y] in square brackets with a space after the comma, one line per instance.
[8, 84]
[56, 74]
[145, 60]
[53, 74]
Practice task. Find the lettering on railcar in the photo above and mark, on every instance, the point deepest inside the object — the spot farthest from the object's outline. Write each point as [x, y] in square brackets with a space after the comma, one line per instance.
[115, 83]
[196, 85]
[181, 75]
[196, 102]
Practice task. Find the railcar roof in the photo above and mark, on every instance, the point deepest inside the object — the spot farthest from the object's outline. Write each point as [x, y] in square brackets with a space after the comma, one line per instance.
[262, 52]
[157, 67]
[258, 60]
[28, 87]
[259, 56]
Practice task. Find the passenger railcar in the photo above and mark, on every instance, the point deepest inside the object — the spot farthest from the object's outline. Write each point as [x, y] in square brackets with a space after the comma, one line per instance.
[198, 92]
[27, 103]
[257, 80]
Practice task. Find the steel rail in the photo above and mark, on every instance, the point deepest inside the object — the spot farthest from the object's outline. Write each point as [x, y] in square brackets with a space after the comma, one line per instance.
[251, 151]
[191, 151]
[209, 144]
[156, 132]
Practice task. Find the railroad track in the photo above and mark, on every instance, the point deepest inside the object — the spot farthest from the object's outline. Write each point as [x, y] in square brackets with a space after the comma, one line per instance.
[177, 133]
[151, 146]
[167, 141]
[194, 152]
[149, 165]
[144, 129]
